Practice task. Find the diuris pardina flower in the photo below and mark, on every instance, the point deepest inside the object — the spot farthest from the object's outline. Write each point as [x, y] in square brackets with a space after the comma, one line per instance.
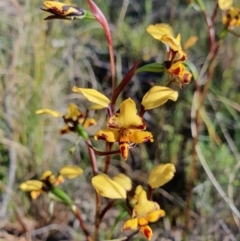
[74, 119]
[125, 127]
[231, 15]
[175, 55]
[65, 11]
[48, 180]
[144, 211]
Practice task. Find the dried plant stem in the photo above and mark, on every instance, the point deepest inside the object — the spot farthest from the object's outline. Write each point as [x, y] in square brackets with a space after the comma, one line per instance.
[12, 155]
[198, 102]
[83, 225]
[215, 183]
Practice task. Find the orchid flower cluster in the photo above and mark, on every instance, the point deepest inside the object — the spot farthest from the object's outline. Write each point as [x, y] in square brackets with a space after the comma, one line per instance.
[125, 128]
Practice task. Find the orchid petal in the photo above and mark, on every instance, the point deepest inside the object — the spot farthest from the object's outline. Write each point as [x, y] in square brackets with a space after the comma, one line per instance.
[49, 111]
[65, 130]
[141, 136]
[73, 112]
[161, 174]
[173, 43]
[71, 171]
[225, 4]
[46, 175]
[89, 122]
[108, 188]
[124, 181]
[130, 224]
[35, 194]
[142, 221]
[190, 42]
[31, 185]
[124, 149]
[147, 231]
[127, 117]
[144, 206]
[158, 30]
[107, 135]
[155, 215]
[61, 9]
[93, 96]
[157, 96]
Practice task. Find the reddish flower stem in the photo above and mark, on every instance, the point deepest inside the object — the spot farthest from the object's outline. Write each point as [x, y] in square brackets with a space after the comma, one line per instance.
[107, 207]
[130, 236]
[142, 111]
[98, 197]
[214, 11]
[127, 78]
[97, 217]
[149, 194]
[130, 209]
[108, 157]
[96, 11]
[82, 224]
[92, 158]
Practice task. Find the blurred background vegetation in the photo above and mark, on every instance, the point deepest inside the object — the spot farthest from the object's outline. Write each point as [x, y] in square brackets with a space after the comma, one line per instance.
[39, 63]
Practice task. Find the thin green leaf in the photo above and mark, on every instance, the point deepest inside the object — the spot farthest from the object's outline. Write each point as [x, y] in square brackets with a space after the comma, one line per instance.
[192, 68]
[153, 67]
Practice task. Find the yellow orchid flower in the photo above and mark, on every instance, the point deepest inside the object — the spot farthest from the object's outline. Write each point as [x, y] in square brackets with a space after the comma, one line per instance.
[231, 17]
[164, 33]
[180, 74]
[161, 174]
[144, 211]
[48, 180]
[35, 187]
[126, 128]
[107, 187]
[73, 118]
[175, 54]
[62, 9]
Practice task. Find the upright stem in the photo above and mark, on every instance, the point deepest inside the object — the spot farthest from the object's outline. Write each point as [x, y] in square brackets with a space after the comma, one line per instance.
[92, 158]
[108, 157]
[97, 217]
[82, 224]
[98, 197]
[107, 207]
